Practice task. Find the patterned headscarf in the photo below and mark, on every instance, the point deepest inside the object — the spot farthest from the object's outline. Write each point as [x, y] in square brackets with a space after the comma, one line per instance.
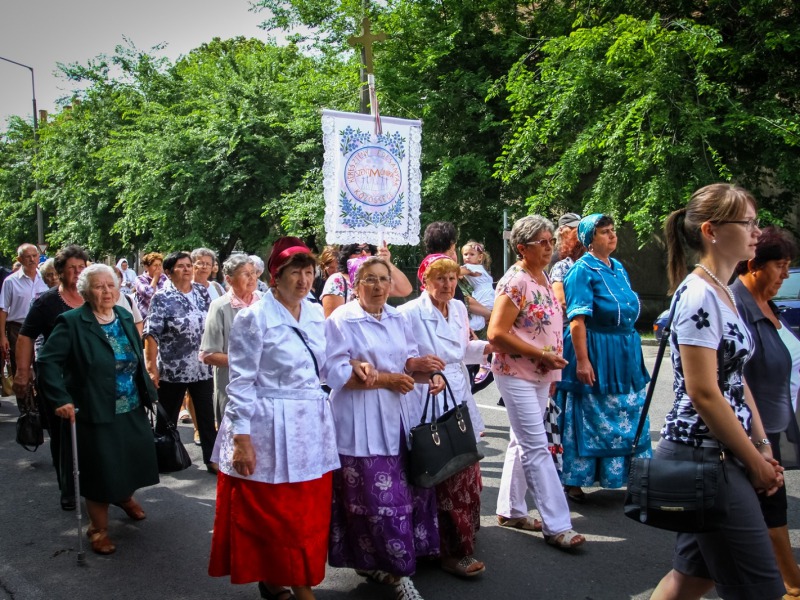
[427, 262]
[586, 228]
[353, 264]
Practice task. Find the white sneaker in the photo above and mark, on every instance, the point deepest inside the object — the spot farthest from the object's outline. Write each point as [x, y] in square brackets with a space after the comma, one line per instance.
[405, 590]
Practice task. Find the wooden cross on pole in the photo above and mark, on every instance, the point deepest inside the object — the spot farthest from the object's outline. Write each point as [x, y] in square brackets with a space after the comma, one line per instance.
[365, 40]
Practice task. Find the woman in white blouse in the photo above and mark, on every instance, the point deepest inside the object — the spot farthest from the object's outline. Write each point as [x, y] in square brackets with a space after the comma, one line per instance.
[440, 326]
[276, 445]
[381, 523]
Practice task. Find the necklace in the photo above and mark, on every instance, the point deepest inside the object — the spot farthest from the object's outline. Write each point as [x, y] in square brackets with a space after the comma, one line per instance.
[376, 315]
[105, 320]
[74, 302]
[725, 288]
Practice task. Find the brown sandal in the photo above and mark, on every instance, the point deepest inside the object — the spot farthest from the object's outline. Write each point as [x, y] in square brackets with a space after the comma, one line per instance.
[133, 509]
[100, 542]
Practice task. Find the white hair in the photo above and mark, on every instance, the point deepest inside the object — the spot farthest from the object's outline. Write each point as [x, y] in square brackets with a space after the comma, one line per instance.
[87, 275]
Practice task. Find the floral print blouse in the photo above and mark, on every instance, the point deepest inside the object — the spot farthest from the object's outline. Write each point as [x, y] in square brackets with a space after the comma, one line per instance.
[539, 322]
[176, 321]
[559, 270]
[337, 285]
[702, 319]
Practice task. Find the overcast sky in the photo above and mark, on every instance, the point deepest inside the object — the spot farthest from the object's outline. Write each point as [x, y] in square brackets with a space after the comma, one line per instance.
[41, 33]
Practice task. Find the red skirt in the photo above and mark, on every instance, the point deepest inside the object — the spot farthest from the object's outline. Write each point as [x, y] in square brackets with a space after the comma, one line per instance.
[276, 533]
[458, 500]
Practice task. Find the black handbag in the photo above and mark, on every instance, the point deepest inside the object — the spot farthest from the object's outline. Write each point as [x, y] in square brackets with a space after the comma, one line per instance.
[443, 446]
[30, 432]
[677, 495]
[170, 451]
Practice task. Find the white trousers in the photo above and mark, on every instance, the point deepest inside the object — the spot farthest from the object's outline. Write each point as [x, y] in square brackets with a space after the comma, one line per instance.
[529, 464]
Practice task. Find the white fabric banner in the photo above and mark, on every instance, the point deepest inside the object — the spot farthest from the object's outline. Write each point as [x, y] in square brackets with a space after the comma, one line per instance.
[372, 182]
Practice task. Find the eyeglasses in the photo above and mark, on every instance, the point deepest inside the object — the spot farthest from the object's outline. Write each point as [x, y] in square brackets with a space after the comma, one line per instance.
[203, 265]
[550, 242]
[749, 224]
[372, 280]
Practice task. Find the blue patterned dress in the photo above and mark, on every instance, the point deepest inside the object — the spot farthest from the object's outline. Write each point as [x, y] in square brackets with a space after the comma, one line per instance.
[598, 423]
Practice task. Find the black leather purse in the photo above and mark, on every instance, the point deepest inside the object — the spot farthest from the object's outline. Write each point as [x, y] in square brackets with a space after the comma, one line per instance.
[30, 432]
[443, 446]
[170, 451]
[677, 495]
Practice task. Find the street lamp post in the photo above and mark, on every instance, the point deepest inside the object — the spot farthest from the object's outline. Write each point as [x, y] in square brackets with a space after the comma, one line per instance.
[39, 214]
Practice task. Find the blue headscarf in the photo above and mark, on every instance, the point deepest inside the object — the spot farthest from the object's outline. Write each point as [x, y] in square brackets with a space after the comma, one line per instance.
[586, 228]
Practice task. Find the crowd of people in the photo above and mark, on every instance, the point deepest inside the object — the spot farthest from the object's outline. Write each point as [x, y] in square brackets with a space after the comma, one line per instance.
[304, 392]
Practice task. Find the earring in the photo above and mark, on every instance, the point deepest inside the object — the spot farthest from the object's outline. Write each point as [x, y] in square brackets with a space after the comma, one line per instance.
[713, 241]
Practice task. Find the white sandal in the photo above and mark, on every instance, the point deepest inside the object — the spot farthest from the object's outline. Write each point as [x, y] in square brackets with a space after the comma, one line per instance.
[404, 590]
[566, 540]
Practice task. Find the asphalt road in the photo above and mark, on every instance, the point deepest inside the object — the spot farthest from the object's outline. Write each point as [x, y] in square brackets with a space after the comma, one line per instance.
[166, 555]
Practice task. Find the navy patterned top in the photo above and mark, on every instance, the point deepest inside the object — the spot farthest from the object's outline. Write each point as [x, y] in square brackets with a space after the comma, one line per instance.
[702, 319]
[126, 363]
[177, 321]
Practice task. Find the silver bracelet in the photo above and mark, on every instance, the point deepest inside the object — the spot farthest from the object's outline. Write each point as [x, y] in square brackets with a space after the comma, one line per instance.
[764, 442]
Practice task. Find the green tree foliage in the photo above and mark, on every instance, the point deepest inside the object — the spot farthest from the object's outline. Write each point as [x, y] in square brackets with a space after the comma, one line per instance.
[163, 156]
[17, 186]
[439, 63]
[629, 115]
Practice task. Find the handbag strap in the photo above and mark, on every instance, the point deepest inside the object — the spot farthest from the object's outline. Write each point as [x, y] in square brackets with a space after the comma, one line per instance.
[652, 386]
[310, 351]
[158, 410]
[433, 404]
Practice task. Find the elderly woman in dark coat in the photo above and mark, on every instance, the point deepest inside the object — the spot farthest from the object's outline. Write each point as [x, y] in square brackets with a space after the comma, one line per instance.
[92, 369]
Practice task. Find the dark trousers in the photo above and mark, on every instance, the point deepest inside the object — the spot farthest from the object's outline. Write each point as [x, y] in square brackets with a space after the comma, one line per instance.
[170, 395]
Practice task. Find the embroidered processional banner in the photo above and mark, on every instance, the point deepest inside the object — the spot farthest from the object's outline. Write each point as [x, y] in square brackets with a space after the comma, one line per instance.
[372, 181]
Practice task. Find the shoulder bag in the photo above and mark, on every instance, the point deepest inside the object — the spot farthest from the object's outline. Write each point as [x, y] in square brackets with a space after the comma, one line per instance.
[30, 431]
[443, 446]
[677, 495]
[170, 451]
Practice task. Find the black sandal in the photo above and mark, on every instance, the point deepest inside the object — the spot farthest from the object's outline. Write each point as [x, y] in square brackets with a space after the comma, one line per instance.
[579, 496]
[267, 595]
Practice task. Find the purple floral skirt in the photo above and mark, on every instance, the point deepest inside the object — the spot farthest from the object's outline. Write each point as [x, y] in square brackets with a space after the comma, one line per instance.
[380, 520]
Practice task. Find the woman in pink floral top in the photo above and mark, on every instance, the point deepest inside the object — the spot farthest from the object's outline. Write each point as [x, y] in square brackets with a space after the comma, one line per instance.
[526, 330]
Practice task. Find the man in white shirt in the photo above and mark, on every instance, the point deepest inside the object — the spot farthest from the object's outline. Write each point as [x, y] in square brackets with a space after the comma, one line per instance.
[19, 290]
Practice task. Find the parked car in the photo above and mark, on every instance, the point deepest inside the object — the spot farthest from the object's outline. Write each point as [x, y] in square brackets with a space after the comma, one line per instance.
[659, 324]
[788, 299]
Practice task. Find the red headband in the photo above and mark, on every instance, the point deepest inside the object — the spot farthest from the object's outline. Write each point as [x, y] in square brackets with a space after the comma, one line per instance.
[427, 262]
[281, 251]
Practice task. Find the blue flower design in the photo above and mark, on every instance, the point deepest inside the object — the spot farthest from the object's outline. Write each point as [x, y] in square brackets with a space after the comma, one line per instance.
[357, 218]
[351, 140]
[394, 143]
[701, 319]
[733, 331]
